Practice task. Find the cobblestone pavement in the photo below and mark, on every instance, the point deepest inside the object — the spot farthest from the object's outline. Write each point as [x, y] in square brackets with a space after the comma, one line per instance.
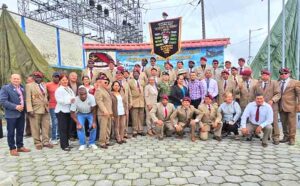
[147, 161]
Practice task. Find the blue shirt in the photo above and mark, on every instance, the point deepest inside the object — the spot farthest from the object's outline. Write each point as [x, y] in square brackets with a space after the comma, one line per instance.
[265, 115]
[230, 112]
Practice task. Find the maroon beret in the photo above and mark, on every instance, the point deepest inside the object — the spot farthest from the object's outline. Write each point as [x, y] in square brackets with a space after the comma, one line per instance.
[234, 68]
[37, 73]
[246, 72]
[165, 97]
[265, 72]
[209, 96]
[120, 68]
[215, 61]
[186, 99]
[119, 72]
[225, 72]
[284, 70]
[203, 59]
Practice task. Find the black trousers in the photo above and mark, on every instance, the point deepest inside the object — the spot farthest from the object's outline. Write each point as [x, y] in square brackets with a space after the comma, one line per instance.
[64, 120]
[72, 129]
[15, 130]
[230, 128]
[196, 102]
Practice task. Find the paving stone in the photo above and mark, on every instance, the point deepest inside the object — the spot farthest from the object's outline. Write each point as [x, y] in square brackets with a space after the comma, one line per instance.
[249, 184]
[270, 177]
[252, 178]
[85, 183]
[80, 177]
[159, 181]
[141, 182]
[234, 179]
[184, 174]
[27, 179]
[178, 181]
[132, 176]
[104, 183]
[47, 178]
[215, 179]
[66, 183]
[122, 183]
[219, 173]
[167, 174]
[253, 171]
[288, 177]
[115, 176]
[30, 184]
[149, 175]
[229, 184]
[202, 173]
[289, 183]
[197, 180]
[269, 183]
[51, 183]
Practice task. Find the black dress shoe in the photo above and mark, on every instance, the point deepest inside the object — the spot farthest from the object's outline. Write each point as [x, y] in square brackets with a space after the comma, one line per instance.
[134, 135]
[119, 142]
[218, 138]
[249, 138]
[276, 142]
[103, 146]
[124, 141]
[264, 144]
[284, 140]
[66, 149]
[142, 134]
[110, 144]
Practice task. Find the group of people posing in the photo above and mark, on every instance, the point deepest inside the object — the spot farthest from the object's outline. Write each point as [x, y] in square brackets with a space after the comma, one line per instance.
[207, 99]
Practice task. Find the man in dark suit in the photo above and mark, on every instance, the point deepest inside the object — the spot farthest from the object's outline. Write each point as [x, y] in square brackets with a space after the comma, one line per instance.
[12, 98]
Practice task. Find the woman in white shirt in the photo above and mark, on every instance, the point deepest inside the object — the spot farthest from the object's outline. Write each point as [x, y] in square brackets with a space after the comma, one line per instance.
[119, 111]
[64, 96]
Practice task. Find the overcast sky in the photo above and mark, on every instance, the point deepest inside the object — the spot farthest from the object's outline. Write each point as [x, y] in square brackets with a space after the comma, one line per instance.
[224, 18]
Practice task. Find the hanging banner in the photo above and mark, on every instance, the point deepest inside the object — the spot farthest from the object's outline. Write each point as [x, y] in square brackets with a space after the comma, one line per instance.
[165, 37]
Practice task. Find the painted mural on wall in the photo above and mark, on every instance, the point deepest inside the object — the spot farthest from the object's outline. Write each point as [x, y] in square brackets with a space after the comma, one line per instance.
[130, 58]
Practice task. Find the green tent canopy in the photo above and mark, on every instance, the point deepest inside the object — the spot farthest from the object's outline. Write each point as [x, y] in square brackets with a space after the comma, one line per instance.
[261, 59]
[17, 52]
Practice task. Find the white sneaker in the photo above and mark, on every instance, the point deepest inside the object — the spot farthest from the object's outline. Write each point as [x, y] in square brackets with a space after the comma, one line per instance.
[94, 147]
[82, 147]
[54, 142]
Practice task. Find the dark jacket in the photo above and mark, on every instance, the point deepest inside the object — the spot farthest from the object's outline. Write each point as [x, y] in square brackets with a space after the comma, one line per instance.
[9, 99]
[176, 95]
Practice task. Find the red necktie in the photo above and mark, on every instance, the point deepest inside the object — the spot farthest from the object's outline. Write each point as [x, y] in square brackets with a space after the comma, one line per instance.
[91, 73]
[225, 85]
[257, 114]
[166, 112]
[41, 89]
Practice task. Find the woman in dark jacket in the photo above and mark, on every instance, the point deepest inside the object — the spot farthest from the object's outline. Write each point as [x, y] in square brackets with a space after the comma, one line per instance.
[178, 91]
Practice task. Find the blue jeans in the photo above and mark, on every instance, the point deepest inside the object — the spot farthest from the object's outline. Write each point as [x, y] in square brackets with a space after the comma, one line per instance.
[81, 132]
[54, 134]
[15, 129]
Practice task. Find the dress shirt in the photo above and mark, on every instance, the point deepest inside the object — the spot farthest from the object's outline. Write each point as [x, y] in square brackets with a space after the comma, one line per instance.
[213, 87]
[196, 89]
[265, 115]
[231, 111]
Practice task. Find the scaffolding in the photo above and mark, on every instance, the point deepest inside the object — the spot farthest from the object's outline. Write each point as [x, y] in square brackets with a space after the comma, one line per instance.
[107, 21]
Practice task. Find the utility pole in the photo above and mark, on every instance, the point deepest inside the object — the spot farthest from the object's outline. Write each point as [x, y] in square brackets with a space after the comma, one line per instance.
[202, 18]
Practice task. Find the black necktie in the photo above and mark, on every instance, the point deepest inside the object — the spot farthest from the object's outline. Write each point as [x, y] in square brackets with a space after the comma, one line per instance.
[282, 86]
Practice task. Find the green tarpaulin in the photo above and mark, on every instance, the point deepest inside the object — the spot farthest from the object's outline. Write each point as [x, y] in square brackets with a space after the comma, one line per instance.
[17, 52]
[261, 59]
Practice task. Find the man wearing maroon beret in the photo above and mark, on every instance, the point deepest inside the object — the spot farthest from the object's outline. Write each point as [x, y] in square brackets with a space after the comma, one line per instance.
[203, 68]
[289, 105]
[246, 88]
[271, 93]
[225, 85]
[38, 111]
[160, 115]
[183, 117]
[242, 66]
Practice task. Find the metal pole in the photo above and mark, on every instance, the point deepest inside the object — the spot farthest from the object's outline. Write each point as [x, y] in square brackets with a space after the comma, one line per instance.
[249, 50]
[298, 42]
[283, 33]
[203, 20]
[269, 37]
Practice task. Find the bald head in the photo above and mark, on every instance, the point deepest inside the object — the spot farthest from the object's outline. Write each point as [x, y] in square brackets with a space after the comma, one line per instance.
[15, 79]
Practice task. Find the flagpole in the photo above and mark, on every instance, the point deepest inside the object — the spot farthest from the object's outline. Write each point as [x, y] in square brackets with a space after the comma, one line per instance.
[283, 33]
[298, 42]
[269, 37]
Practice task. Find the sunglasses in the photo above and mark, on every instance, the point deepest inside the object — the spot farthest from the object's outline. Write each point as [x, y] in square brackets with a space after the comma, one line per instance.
[283, 73]
[106, 82]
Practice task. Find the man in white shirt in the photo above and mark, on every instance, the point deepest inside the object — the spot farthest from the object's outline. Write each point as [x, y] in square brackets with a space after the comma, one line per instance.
[260, 117]
[210, 85]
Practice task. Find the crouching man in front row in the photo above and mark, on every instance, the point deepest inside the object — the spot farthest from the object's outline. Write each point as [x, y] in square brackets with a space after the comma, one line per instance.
[160, 115]
[184, 115]
[210, 119]
[260, 115]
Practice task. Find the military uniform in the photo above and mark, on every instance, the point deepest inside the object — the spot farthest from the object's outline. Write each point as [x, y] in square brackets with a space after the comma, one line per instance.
[247, 92]
[160, 112]
[223, 87]
[209, 115]
[184, 118]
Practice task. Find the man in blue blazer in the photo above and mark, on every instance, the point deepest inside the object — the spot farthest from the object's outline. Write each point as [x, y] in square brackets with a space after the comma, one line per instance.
[12, 98]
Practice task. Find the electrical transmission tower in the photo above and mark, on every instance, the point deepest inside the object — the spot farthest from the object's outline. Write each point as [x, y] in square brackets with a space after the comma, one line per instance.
[111, 21]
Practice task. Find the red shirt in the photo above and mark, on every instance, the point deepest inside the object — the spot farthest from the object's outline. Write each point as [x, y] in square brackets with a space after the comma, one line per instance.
[51, 88]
